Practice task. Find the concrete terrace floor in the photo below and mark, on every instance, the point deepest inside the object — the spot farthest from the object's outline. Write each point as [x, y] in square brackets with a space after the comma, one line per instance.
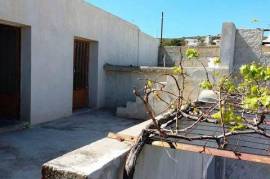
[23, 152]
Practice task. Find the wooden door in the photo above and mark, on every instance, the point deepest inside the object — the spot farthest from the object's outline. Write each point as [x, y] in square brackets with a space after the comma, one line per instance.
[80, 75]
[9, 72]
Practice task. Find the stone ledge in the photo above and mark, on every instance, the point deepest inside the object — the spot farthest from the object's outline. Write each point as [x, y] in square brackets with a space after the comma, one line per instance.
[148, 69]
[103, 159]
[120, 68]
[88, 161]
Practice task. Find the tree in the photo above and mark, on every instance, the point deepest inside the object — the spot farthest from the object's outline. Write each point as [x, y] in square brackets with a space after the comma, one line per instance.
[241, 107]
[174, 42]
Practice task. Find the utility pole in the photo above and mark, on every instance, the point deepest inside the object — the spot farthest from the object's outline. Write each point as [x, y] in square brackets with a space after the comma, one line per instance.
[161, 33]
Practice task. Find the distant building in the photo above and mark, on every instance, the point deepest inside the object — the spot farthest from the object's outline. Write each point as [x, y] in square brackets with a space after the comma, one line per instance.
[208, 40]
[192, 42]
[266, 42]
[217, 42]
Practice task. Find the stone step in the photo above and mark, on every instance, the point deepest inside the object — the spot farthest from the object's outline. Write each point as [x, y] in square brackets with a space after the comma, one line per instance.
[132, 110]
[136, 109]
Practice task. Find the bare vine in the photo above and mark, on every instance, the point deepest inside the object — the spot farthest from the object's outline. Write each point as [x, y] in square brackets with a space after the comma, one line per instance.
[241, 106]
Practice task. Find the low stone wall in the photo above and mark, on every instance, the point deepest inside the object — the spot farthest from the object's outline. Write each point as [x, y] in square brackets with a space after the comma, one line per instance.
[266, 49]
[170, 55]
[105, 159]
[172, 164]
[248, 46]
[121, 80]
[266, 55]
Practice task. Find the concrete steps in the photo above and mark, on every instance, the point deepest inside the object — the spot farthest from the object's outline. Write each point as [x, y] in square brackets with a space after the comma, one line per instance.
[136, 109]
[132, 110]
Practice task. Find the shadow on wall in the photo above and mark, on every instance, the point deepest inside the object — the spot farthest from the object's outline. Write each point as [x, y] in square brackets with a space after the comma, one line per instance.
[229, 168]
[248, 47]
[164, 58]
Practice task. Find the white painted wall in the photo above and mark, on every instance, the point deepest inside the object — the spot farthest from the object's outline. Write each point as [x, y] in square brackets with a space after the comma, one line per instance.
[148, 53]
[54, 23]
[160, 163]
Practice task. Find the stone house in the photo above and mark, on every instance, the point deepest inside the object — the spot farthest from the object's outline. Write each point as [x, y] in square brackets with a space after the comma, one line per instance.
[52, 54]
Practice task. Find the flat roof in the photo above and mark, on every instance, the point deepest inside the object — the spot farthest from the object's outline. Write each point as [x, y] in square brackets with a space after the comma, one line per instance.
[248, 146]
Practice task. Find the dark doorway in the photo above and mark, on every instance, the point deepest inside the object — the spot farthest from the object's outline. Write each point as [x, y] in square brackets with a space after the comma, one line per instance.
[9, 72]
[80, 74]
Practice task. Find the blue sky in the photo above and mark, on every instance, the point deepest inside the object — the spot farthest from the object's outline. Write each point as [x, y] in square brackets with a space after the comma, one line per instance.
[189, 17]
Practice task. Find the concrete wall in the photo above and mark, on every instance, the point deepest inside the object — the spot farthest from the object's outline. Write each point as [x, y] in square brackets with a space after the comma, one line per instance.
[159, 163]
[248, 46]
[240, 46]
[54, 24]
[105, 159]
[172, 55]
[226, 168]
[124, 79]
[228, 44]
[148, 50]
[266, 55]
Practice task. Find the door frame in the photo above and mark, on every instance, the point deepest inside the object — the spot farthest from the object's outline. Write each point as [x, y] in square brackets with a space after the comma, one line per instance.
[84, 91]
[18, 33]
[25, 69]
[93, 71]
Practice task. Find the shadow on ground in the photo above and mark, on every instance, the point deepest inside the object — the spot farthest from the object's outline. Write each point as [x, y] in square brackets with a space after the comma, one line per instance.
[23, 152]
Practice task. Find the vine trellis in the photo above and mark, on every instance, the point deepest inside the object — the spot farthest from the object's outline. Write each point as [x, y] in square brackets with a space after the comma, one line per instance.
[241, 106]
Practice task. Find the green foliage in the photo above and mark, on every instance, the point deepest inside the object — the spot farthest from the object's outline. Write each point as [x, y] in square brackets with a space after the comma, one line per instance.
[177, 42]
[216, 74]
[177, 70]
[149, 84]
[265, 100]
[255, 86]
[227, 85]
[217, 60]
[251, 103]
[192, 53]
[174, 42]
[234, 121]
[237, 127]
[258, 72]
[206, 84]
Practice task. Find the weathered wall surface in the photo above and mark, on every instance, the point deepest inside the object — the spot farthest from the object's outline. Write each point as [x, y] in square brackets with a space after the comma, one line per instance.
[124, 79]
[172, 55]
[105, 159]
[159, 163]
[240, 46]
[248, 46]
[266, 55]
[54, 24]
[228, 44]
[231, 169]
[148, 51]
[173, 164]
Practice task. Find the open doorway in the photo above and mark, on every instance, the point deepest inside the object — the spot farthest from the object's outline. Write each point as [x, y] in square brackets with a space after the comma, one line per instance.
[81, 73]
[85, 74]
[10, 74]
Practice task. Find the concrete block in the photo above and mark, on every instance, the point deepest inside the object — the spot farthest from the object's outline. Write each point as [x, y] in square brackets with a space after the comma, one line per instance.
[228, 44]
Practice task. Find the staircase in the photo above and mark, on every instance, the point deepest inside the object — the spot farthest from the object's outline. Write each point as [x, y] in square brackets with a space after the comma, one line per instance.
[132, 110]
[136, 110]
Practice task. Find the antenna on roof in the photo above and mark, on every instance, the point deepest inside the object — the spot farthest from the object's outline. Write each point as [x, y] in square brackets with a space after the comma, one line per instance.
[161, 33]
